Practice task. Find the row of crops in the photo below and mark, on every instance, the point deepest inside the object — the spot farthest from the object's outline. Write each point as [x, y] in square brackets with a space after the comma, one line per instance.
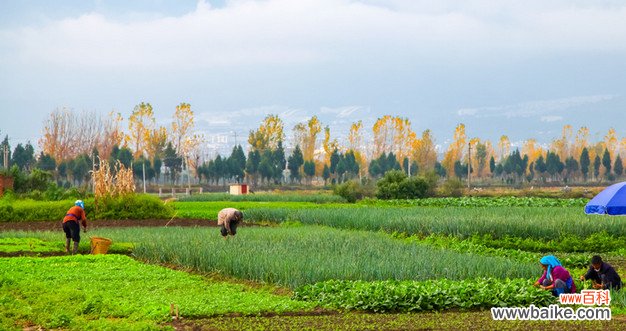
[541, 223]
[146, 206]
[304, 255]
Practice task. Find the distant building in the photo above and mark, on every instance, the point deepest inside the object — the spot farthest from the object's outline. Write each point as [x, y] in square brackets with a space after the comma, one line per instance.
[238, 189]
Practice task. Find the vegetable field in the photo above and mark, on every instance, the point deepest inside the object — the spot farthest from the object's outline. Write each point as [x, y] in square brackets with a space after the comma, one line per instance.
[118, 292]
[314, 261]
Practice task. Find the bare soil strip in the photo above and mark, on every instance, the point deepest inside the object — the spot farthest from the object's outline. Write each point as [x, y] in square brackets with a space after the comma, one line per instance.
[56, 225]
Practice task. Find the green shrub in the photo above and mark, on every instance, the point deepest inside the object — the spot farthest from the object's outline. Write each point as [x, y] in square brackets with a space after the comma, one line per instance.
[397, 185]
[350, 190]
[130, 207]
[135, 206]
[6, 210]
[453, 187]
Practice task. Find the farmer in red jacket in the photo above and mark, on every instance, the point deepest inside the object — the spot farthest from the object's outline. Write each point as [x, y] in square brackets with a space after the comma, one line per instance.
[71, 227]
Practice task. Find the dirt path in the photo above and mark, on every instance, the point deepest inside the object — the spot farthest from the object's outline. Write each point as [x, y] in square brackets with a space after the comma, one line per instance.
[476, 320]
[56, 225]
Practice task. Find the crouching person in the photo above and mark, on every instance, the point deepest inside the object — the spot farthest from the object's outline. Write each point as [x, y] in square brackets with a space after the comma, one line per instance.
[555, 278]
[603, 275]
[229, 218]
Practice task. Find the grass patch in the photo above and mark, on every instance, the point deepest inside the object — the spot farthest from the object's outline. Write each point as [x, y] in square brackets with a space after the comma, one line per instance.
[34, 243]
[117, 292]
[31, 245]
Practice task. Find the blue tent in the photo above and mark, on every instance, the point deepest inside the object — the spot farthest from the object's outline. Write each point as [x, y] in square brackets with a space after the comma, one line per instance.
[611, 201]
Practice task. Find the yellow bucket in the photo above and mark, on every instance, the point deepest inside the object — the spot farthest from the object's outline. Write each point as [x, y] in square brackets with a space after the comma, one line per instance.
[100, 245]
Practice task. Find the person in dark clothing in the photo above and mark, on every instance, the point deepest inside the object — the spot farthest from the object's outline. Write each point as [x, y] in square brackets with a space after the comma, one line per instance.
[603, 275]
[71, 225]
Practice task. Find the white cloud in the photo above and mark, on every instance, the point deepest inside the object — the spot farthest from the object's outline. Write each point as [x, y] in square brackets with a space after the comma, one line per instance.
[535, 108]
[286, 32]
[467, 111]
[549, 119]
[247, 119]
[345, 112]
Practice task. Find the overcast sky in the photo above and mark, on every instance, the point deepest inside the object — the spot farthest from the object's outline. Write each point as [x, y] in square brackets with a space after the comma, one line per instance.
[521, 68]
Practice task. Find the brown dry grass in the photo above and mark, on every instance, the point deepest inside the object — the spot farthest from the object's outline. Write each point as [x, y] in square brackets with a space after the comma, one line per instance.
[109, 183]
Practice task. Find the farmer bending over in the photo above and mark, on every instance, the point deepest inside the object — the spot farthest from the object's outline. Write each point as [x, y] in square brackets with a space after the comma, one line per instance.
[555, 277]
[603, 275]
[71, 227]
[229, 218]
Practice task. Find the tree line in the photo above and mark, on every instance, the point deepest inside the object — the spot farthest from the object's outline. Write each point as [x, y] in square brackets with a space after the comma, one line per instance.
[72, 144]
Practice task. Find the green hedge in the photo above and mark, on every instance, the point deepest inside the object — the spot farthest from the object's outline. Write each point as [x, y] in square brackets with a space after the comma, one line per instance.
[130, 207]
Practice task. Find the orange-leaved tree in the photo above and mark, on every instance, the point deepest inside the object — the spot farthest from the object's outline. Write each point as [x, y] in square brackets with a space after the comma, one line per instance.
[268, 135]
[455, 150]
[140, 124]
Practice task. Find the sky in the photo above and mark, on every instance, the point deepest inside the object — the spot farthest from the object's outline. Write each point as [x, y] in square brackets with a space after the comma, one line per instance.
[520, 68]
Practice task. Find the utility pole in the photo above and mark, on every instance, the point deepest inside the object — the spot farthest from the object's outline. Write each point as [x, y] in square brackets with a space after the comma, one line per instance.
[469, 164]
[188, 172]
[6, 157]
[93, 172]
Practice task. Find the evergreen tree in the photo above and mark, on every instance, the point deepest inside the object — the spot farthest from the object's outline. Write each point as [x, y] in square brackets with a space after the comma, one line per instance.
[295, 161]
[156, 166]
[220, 169]
[554, 166]
[571, 166]
[252, 164]
[352, 166]
[266, 169]
[80, 168]
[596, 166]
[309, 169]
[374, 168]
[618, 168]
[326, 173]
[334, 160]
[584, 163]
[23, 157]
[460, 169]
[440, 170]
[606, 162]
[237, 163]
[279, 163]
[46, 162]
[172, 161]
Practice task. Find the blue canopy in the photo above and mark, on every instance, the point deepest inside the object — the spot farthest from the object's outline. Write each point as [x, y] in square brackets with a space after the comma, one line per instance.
[611, 201]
